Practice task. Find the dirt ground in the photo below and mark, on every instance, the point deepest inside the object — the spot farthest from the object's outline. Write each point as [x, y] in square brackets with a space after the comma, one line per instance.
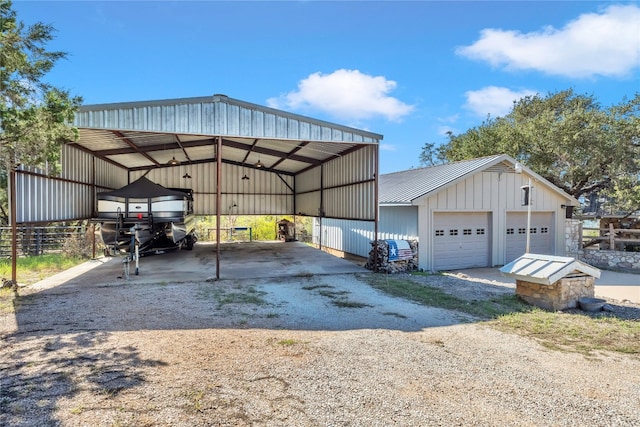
[306, 350]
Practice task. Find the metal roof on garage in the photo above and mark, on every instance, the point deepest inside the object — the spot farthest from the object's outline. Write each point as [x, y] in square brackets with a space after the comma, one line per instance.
[402, 188]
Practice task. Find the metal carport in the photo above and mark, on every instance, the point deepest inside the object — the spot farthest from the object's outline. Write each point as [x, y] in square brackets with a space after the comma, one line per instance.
[233, 155]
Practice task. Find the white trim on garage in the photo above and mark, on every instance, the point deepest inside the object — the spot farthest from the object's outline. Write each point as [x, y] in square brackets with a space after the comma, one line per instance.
[461, 240]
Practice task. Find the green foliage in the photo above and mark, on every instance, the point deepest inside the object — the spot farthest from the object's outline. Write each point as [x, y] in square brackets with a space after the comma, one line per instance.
[263, 227]
[569, 139]
[432, 155]
[432, 296]
[576, 332]
[35, 116]
[33, 269]
[555, 330]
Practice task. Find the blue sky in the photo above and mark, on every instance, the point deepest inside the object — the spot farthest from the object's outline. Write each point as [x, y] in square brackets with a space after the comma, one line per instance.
[410, 71]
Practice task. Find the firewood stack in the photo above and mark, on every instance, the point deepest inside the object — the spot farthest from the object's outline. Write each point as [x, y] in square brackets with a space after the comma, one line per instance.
[382, 264]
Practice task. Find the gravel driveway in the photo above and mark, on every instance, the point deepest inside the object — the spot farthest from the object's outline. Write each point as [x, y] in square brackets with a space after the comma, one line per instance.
[322, 350]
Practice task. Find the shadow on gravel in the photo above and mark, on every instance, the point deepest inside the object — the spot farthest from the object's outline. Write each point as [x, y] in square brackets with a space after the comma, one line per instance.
[37, 372]
[49, 348]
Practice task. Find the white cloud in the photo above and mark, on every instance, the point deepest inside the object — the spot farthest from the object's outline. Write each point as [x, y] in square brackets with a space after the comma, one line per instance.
[493, 100]
[388, 147]
[606, 44]
[347, 94]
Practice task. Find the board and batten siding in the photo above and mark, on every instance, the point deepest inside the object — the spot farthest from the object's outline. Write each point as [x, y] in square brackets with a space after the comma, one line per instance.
[355, 237]
[493, 192]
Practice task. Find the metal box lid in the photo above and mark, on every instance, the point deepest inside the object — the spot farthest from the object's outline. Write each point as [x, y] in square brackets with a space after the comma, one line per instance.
[546, 269]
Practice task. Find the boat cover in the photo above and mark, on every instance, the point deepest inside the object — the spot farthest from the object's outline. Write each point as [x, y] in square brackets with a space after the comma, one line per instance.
[142, 188]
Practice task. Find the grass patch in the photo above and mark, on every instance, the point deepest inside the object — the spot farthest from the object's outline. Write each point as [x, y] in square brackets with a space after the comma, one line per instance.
[555, 330]
[32, 269]
[250, 295]
[431, 296]
[343, 303]
[574, 332]
[338, 298]
[77, 410]
[333, 294]
[195, 400]
[424, 273]
[398, 315]
[313, 287]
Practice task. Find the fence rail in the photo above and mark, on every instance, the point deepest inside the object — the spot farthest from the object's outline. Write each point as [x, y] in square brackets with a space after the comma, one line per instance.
[611, 238]
[33, 240]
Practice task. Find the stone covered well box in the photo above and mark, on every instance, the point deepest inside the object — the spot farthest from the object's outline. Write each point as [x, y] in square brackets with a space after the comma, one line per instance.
[552, 282]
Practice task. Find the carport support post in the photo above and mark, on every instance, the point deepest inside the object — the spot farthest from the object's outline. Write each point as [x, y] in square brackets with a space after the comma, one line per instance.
[14, 228]
[321, 210]
[529, 201]
[218, 202]
[376, 207]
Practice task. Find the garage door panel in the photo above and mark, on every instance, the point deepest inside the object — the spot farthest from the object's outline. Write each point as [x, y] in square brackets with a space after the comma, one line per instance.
[462, 240]
[542, 234]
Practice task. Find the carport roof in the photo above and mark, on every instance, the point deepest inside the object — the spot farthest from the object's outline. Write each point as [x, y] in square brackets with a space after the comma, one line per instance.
[149, 134]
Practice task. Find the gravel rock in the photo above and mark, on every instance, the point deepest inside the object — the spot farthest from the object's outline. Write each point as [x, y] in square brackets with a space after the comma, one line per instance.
[310, 351]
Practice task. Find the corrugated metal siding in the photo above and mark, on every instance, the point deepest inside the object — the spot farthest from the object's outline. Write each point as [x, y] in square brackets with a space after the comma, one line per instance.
[350, 168]
[80, 166]
[349, 236]
[353, 201]
[76, 165]
[398, 222]
[308, 180]
[348, 187]
[217, 115]
[308, 204]
[350, 184]
[263, 193]
[70, 196]
[354, 237]
[43, 199]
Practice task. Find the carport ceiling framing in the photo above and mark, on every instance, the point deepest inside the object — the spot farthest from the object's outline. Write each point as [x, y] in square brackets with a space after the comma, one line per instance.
[141, 151]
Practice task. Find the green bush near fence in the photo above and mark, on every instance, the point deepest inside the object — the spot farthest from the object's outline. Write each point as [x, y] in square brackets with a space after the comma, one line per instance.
[73, 240]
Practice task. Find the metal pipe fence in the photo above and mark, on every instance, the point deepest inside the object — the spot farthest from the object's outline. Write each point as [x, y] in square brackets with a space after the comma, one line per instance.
[40, 240]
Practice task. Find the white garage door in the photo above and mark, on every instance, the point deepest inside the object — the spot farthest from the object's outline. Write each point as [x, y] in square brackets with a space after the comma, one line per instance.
[542, 234]
[461, 240]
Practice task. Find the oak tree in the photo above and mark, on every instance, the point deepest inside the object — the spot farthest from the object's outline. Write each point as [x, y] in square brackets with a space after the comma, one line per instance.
[567, 138]
[35, 116]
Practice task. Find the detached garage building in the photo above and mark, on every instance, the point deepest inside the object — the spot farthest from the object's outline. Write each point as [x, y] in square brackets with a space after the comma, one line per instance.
[464, 214]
